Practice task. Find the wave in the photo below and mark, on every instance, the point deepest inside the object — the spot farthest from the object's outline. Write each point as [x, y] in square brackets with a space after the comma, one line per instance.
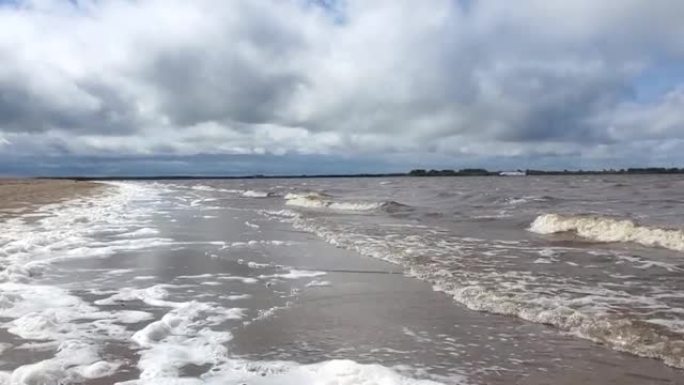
[257, 194]
[201, 187]
[68, 231]
[243, 193]
[527, 199]
[96, 226]
[317, 200]
[307, 195]
[607, 229]
[641, 338]
[441, 261]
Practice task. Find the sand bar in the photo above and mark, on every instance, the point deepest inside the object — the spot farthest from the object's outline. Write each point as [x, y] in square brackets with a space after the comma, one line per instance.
[19, 196]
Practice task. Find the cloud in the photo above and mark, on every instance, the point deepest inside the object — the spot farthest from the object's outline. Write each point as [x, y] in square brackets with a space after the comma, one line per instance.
[482, 79]
[662, 119]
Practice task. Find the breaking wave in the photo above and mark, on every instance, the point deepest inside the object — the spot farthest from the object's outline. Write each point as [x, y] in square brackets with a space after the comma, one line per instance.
[442, 262]
[257, 194]
[527, 199]
[606, 229]
[623, 334]
[315, 200]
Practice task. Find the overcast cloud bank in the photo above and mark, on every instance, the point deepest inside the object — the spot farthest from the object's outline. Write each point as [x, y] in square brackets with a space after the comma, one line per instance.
[398, 83]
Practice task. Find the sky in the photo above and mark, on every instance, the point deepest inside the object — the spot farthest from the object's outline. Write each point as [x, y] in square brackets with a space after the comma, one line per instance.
[231, 87]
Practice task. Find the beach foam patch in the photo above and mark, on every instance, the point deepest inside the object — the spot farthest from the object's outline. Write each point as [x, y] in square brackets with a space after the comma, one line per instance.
[338, 372]
[318, 283]
[296, 274]
[53, 318]
[181, 337]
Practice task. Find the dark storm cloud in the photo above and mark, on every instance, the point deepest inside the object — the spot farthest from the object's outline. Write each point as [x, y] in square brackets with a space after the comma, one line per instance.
[205, 165]
[22, 111]
[559, 106]
[195, 88]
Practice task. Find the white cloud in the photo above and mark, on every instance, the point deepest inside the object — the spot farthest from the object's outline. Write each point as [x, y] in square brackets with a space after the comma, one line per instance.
[492, 78]
[663, 119]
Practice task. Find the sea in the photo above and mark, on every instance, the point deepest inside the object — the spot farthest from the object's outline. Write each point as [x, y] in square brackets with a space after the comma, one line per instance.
[407, 280]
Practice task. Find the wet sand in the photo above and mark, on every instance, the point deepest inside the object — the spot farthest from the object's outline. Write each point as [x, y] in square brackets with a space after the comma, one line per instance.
[19, 196]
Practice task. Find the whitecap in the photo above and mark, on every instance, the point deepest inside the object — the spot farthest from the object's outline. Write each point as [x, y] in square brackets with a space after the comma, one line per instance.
[607, 229]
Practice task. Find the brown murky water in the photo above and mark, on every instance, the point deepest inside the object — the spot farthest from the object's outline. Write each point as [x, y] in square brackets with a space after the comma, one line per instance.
[433, 279]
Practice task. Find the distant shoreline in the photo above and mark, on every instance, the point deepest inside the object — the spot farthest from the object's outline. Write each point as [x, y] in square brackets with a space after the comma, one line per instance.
[468, 172]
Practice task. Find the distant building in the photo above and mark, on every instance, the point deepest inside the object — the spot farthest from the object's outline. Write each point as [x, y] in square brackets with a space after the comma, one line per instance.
[512, 173]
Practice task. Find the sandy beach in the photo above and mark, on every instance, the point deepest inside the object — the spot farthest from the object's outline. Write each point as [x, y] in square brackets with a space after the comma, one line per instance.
[22, 195]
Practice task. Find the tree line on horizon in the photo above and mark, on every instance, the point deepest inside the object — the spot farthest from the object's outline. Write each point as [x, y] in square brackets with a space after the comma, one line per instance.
[412, 173]
[485, 172]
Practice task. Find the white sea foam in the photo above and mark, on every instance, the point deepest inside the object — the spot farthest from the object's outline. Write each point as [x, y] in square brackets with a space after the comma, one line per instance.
[154, 296]
[279, 214]
[607, 229]
[145, 231]
[339, 372]
[68, 231]
[74, 327]
[256, 194]
[74, 362]
[184, 336]
[296, 274]
[479, 283]
[255, 243]
[527, 199]
[252, 225]
[196, 276]
[308, 194]
[256, 265]
[200, 187]
[322, 201]
[144, 277]
[237, 297]
[99, 369]
[93, 227]
[179, 339]
[248, 280]
[619, 333]
[203, 188]
[228, 371]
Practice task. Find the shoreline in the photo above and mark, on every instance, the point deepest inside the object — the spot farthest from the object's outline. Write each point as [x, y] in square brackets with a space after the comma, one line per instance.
[295, 298]
[20, 196]
[419, 173]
